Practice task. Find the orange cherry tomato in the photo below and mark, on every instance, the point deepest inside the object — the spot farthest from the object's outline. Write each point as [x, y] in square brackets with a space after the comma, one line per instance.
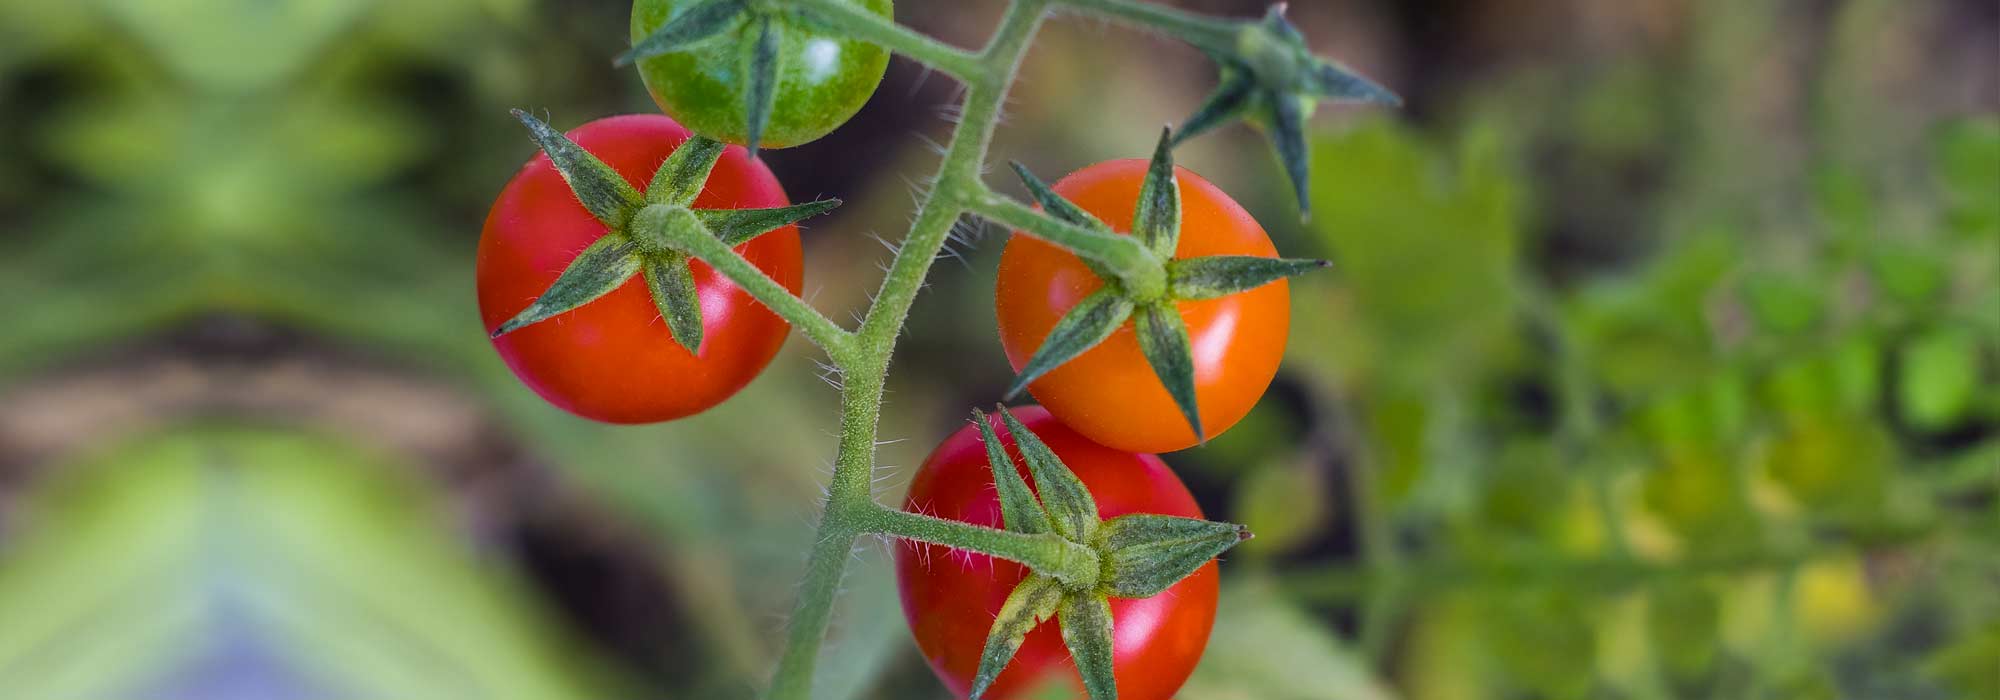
[1109, 393]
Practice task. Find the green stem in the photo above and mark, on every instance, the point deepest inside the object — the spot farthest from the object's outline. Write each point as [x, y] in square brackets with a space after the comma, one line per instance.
[849, 501]
[854, 21]
[653, 222]
[1125, 256]
[1210, 33]
[1072, 564]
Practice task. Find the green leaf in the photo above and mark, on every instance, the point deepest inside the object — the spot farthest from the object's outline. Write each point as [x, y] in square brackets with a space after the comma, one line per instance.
[1035, 600]
[1163, 339]
[1150, 553]
[1086, 630]
[1085, 325]
[1222, 275]
[738, 226]
[683, 175]
[1938, 379]
[1072, 511]
[1018, 508]
[693, 25]
[602, 190]
[1156, 218]
[1230, 101]
[600, 268]
[671, 281]
[763, 73]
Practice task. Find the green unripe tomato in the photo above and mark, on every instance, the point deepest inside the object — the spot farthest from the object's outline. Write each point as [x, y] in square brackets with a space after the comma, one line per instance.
[822, 80]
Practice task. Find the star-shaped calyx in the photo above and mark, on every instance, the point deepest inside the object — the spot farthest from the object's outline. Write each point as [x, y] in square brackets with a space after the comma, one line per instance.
[1138, 556]
[1150, 301]
[1270, 79]
[646, 233]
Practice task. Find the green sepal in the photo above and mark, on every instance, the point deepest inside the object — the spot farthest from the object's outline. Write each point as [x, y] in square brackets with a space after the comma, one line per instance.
[1086, 630]
[1222, 275]
[1019, 510]
[1035, 600]
[1334, 82]
[762, 70]
[1233, 96]
[600, 268]
[602, 190]
[692, 26]
[1156, 218]
[1062, 210]
[1163, 339]
[1286, 122]
[671, 281]
[682, 176]
[1149, 553]
[1072, 511]
[1093, 319]
[738, 226]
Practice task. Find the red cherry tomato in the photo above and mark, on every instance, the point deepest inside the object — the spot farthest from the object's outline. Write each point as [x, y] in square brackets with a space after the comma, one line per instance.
[950, 597]
[1109, 393]
[613, 359]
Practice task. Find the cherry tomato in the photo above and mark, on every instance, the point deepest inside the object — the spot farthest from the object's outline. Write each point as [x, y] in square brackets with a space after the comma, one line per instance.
[1109, 393]
[613, 359]
[822, 80]
[950, 597]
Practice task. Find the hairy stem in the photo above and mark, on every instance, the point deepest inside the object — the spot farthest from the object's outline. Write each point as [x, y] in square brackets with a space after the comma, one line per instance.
[849, 500]
[748, 277]
[1198, 30]
[1125, 256]
[851, 20]
[1072, 564]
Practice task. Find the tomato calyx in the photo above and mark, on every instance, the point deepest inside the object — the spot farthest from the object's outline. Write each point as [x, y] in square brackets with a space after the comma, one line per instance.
[752, 19]
[1271, 79]
[1150, 300]
[1139, 556]
[655, 234]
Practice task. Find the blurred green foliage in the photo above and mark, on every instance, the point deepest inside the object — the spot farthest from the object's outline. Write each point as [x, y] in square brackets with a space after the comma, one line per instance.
[1664, 371]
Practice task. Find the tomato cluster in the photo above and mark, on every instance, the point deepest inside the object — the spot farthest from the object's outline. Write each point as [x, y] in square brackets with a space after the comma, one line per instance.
[625, 352]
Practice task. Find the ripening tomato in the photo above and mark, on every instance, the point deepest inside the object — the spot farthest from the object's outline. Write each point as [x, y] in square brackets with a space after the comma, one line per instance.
[613, 359]
[950, 597]
[822, 80]
[1109, 393]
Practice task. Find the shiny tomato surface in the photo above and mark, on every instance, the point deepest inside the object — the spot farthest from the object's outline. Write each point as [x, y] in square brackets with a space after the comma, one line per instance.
[1110, 393]
[950, 597]
[614, 359]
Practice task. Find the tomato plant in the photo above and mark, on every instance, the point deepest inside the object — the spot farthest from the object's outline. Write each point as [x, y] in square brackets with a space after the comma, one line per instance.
[952, 597]
[613, 359]
[811, 84]
[1110, 392]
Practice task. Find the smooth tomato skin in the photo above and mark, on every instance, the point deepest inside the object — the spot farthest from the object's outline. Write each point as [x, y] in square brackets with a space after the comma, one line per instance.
[950, 597]
[1110, 393]
[822, 80]
[613, 359]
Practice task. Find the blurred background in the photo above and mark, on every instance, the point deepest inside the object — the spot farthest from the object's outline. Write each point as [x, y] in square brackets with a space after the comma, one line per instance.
[1660, 359]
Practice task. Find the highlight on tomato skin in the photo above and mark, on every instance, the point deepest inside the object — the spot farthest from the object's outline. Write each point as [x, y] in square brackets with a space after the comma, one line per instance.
[1109, 393]
[950, 597]
[613, 359]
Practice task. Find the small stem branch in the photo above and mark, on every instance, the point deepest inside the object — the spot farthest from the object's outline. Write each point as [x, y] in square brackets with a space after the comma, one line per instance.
[851, 20]
[1124, 255]
[654, 222]
[1072, 564]
[1200, 31]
